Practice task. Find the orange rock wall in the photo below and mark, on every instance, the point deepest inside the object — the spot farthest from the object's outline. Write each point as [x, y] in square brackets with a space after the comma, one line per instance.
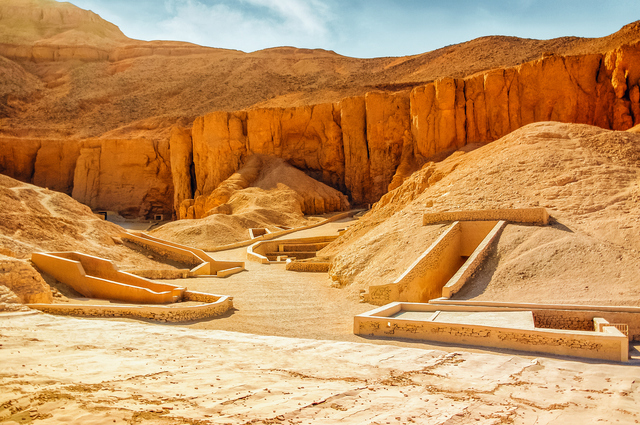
[594, 89]
[363, 146]
[132, 177]
[181, 150]
[367, 145]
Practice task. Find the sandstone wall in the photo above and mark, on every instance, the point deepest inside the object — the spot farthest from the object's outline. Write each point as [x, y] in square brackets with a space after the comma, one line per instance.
[132, 177]
[362, 146]
[358, 156]
[365, 146]
[18, 157]
[594, 89]
[181, 149]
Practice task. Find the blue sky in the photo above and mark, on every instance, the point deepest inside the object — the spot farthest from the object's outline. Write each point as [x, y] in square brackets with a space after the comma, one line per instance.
[359, 28]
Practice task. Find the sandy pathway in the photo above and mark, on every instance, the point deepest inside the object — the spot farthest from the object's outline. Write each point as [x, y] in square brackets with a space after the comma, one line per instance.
[269, 300]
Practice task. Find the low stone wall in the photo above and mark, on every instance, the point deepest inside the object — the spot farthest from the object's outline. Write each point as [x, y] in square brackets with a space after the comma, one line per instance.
[201, 262]
[562, 316]
[257, 251]
[214, 306]
[96, 277]
[477, 257]
[171, 253]
[179, 254]
[426, 276]
[522, 215]
[308, 267]
[611, 345]
[441, 269]
[256, 232]
[553, 319]
[161, 273]
[287, 231]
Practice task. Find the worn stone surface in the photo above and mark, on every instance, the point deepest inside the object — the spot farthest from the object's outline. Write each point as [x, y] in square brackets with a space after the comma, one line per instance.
[18, 157]
[308, 137]
[219, 144]
[388, 128]
[55, 165]
[356, 149]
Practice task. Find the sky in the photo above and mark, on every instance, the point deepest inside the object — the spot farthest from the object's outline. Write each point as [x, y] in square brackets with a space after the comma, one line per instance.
[359, 28]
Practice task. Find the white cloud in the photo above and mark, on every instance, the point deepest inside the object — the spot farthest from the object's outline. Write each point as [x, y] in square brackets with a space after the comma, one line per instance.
[247, 24]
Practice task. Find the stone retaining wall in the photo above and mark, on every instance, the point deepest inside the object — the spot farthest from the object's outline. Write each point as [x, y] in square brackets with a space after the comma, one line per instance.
[521, 215]
[214, 306]
[309, 267]
[561, 316]
[610, 345]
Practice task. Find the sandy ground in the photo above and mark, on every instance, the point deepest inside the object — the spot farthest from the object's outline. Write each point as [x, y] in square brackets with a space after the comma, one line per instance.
[585, 177]
[287, 354]
[60, 370]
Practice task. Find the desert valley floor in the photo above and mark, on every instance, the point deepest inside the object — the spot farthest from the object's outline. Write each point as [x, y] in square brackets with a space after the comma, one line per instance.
[287, 354]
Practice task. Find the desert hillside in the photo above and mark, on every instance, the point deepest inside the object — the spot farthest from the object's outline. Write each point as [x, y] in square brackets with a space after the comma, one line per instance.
[147, 128]
[71, 74]
[212, 142]
[34, 219]
[588, 180]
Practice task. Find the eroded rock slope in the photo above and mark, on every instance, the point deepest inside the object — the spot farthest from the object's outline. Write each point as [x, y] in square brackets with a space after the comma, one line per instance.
[588, 180]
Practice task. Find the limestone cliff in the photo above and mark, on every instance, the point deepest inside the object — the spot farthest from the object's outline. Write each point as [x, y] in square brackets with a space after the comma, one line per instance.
[365, 146]
[85, 110]
[132, 177]
[362, 146]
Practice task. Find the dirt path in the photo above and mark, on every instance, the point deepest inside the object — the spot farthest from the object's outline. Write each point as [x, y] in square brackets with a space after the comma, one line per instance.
[269, 300]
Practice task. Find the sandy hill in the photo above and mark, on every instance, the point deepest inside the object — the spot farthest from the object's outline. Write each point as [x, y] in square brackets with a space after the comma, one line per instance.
[586, 177]
[34, 219]
[85, 78]
[266, 192]
[27, 22]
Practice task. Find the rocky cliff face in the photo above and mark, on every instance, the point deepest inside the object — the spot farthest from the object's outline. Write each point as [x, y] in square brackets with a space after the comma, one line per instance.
[363, 146]
[132, 177]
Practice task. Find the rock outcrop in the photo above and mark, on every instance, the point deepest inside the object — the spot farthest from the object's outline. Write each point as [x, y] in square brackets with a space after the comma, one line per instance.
[132, 177]
[181, 149]
[363, 146]
[366, 146]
